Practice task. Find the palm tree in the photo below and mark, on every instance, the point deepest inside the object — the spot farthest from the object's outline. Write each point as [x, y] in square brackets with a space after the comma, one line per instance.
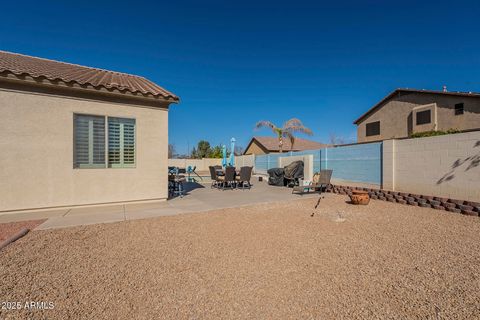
[289, 128]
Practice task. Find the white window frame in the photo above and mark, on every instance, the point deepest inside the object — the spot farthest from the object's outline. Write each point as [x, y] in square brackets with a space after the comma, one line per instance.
[106, 144]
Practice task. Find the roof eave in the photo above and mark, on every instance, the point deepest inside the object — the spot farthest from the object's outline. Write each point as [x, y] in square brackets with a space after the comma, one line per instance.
[42, 81]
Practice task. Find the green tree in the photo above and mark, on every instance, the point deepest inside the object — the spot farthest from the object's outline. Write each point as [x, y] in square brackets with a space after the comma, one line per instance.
[216, 152]
[287, 131]
[203, 149]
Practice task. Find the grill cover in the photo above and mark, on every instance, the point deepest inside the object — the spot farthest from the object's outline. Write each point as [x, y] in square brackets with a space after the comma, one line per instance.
[294, 170]
[275, 177]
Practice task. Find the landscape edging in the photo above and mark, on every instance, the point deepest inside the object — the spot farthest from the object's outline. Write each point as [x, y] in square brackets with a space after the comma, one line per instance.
[465, 207]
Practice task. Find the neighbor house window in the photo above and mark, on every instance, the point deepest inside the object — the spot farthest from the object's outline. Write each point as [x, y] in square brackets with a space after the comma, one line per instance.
[424, 117]
[121, 142]
[373, 128]
[458, 109]
[91, 145]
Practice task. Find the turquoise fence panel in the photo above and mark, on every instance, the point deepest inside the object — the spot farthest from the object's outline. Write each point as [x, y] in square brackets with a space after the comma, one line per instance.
[261, 163]
[356, 163]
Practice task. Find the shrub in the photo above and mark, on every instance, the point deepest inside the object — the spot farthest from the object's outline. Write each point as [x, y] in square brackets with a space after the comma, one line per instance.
[432, 133]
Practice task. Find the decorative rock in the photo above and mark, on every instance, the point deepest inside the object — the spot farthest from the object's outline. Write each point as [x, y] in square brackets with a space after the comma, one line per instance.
[465, 207]
[438, 207]
[402, 201]
[382, 198]
[424, 205]
[456, 201]
[449, 205]
[454, 210]
[413, 203]
[434, 202]
[470, 213]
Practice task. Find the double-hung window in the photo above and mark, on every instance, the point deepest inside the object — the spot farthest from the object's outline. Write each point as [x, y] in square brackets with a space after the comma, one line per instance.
[101, 142]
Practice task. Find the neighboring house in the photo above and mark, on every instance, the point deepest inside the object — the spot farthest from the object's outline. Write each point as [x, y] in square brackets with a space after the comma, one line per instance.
[264, 145]
[406, 111]
[73, 135]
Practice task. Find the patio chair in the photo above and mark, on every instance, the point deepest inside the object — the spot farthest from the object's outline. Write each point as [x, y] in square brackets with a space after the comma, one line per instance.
[213, 176]
[229, 177]
[245, 176]
[175, 183]
[320, 181]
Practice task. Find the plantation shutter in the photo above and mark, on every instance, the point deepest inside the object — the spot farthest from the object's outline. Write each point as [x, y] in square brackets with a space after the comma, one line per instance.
[121, 142]
[89, 144]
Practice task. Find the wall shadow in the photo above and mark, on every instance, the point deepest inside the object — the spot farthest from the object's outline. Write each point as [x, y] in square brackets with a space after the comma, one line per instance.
[469, 163]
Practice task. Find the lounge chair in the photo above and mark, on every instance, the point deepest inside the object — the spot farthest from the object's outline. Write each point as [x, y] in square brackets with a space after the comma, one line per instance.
[245, 176]
[320, 181]
[190, 171]
[229, 177]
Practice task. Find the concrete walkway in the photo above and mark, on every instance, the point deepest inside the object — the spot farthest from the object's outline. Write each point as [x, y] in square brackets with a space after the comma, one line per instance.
[198, 198]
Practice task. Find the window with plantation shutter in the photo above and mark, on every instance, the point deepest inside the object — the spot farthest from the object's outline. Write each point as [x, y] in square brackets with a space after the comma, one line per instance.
[121, 142]
[89, 141]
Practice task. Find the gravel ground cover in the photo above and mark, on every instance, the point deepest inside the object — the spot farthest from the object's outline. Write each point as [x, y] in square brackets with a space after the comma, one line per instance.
[270, 261]
[9, 229]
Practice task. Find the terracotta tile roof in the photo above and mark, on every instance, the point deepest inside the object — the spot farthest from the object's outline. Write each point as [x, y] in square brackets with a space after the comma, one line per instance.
[401, 90]
[19, 64]
[271, 144]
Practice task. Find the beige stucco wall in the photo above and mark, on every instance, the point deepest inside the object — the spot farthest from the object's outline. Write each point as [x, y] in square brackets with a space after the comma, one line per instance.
[201, 164]
[36, 162]
[447, 166]
[245, 161]
[397, 120]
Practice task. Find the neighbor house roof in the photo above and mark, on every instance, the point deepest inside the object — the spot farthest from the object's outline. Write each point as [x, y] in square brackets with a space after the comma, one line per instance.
[402, 90]
[39, 69]
[271, 144]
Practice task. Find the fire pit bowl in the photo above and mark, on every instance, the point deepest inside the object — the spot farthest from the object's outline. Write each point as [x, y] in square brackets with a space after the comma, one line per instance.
[359, 197]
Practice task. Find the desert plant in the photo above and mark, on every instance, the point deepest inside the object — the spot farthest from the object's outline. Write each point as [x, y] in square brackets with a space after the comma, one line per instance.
[432, 133]
[286, 131]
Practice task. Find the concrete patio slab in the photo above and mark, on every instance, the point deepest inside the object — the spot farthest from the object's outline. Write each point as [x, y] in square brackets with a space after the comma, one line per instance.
[97, 209]
[81, 219]
[34, 215]
[198, 198]
[146, 206]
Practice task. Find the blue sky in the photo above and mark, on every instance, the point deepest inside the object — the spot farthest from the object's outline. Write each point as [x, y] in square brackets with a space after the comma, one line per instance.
[234, 63]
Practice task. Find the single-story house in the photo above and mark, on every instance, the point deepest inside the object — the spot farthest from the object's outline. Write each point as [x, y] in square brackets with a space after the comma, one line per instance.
[72, 135]
[264, 145]
[407, 111]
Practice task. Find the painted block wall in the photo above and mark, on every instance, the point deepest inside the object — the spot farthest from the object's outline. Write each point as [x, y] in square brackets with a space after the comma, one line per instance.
[445, 166]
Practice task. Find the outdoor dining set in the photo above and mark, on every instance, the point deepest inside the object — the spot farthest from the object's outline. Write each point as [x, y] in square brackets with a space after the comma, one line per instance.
[230, 177]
